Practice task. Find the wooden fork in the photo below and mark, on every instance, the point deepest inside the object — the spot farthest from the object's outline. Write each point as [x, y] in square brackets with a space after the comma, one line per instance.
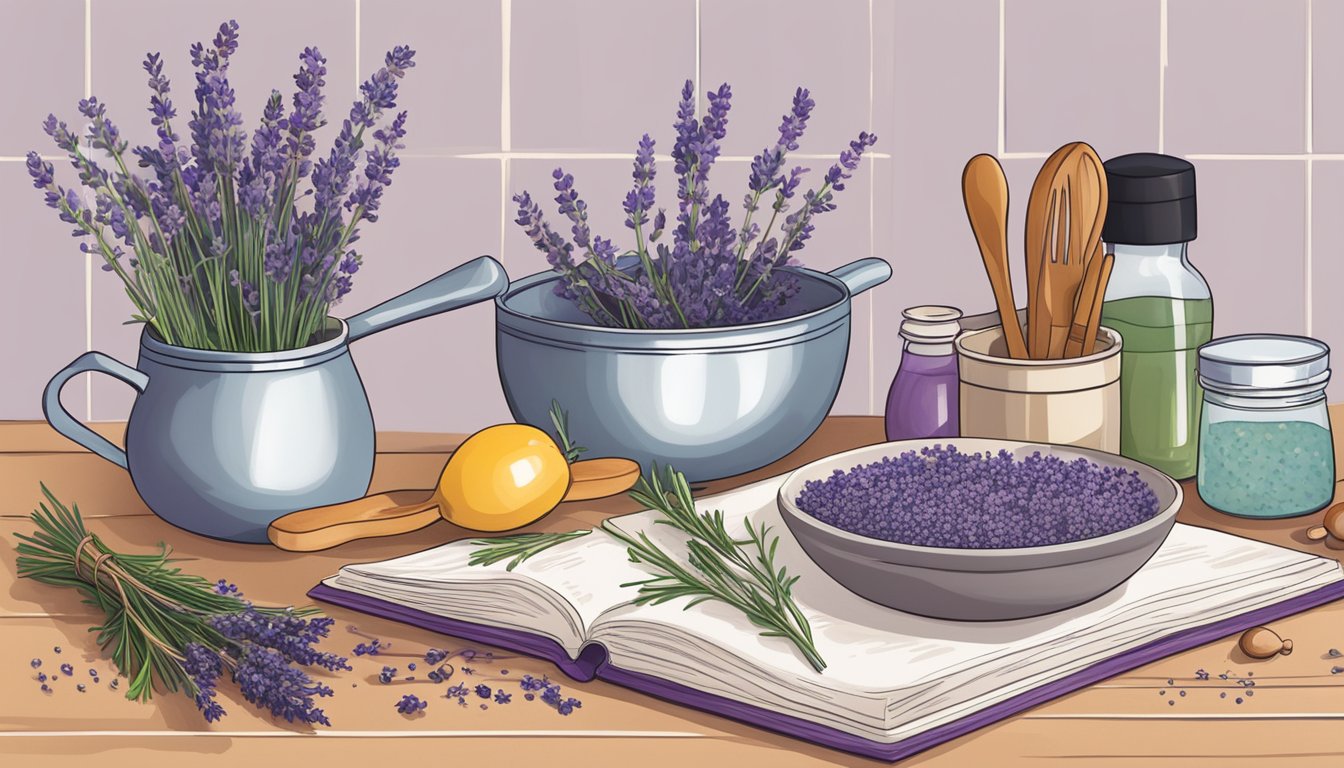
[1072, 232]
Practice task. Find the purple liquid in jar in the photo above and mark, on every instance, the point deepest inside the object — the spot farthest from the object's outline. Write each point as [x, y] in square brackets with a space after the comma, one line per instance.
[923, 398]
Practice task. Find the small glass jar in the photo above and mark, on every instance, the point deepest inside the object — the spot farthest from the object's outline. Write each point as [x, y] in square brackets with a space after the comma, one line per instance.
[1265, 448]
[922, 401]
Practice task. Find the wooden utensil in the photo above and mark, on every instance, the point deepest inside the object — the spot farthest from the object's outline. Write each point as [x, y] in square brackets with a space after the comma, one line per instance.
[1087, 315]
[1073, 231]
[395, 512]
[1040, 204]
[985, 193]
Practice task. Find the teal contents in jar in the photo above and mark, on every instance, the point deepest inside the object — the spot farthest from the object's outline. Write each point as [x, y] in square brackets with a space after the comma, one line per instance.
[1266, 468]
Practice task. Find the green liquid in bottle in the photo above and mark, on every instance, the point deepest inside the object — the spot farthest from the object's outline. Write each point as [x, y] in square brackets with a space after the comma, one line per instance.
[1160, 396]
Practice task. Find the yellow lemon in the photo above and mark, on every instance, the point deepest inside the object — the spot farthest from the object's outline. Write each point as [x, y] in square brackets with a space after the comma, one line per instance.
[503, 477]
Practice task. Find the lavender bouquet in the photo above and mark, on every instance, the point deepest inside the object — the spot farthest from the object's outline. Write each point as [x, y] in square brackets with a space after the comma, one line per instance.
[711, 274]
[219, 248]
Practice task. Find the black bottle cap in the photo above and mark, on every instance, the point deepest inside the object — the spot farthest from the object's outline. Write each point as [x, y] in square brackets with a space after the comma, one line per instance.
[1151, 200]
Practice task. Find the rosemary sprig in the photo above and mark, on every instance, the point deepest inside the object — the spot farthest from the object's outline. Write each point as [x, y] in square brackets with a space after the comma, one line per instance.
[177, 631]
[560, 419]
[519, 546]
[739, 572]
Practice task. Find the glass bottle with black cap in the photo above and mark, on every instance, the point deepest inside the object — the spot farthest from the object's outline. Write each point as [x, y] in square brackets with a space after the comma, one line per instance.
[1160, 305]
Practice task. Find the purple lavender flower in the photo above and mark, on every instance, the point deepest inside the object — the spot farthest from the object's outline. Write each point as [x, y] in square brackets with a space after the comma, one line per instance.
[216, 125]
[266, 679]
[503, 698]
[435, 656]
[203, 667]
[387, 675]
[640, 200]
[410, 704]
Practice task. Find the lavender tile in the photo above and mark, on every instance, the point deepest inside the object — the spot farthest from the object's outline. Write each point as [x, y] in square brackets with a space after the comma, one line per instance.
[765, 52]
[1082, 71]
[596, 75]
[1327, 271]
[1327, 75]
[41, 300]
[922, 230]
[42, 50]
[922, 52]
[437, 374]
[1251, 246]
[454, 92]
[1236, 76]
[271, 37]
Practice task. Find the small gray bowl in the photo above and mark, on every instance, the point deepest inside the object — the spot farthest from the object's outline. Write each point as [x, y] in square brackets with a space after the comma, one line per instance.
[978, 584]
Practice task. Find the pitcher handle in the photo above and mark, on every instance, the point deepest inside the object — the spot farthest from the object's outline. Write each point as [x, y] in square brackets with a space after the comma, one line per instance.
[859, 276]
[61, 420]
[478, 280]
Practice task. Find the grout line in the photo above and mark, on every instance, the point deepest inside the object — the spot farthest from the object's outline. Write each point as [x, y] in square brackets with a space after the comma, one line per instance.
[1162, 80]
[697, 57]
[1308, 272]
[1022, 155]
[88, 257]
[504, 199]
[872, 243]
[1283, 156]
[623, 156]
[506, 77]
[1003, 85]
[1310, 139]
[359, 13]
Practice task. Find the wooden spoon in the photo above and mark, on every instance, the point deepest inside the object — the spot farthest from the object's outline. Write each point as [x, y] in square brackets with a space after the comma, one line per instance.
[396, 512]
[985, 193]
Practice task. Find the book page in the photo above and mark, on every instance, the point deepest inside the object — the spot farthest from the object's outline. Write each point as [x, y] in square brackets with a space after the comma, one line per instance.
[886, 668]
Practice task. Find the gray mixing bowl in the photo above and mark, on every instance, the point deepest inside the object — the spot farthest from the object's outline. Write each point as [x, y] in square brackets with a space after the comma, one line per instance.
[978, 584]
[711, 402]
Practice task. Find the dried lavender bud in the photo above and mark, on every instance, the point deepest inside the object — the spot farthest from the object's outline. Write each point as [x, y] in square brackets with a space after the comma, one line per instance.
[35, 663]
[387, 674]
[503, 698]
[115, 684]
[57, 649]
[80, 687]
[918, 498]
[468, 671]
[435, 656]
[410, 704]
[1200, 674]
[1239, 699]
[1182, 693]
[411, 666]
[483, 691]
[1250, 693]
[46, 688]
[1336, 670]
[67, 670]
[1333, 653]
[93, 673]
[1222, 695]
[1171, 703]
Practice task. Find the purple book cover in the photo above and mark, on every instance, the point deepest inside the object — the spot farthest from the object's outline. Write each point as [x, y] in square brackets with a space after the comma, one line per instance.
[592, 663]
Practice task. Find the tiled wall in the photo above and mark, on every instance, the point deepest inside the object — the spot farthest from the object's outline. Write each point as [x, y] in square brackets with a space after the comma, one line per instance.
[1252, 91]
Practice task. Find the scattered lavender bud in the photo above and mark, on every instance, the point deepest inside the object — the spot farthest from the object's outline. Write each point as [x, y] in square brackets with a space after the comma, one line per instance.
[371, 648]
[503, 698]
[1171, 703]
[484, 691]
[1200, 674]
[528, 696]
[115, 684]
[35, 663]
[485, 706]
[41, 677]
[80, 687]
[93, 673]
[1239, 699]
[911, 499]
[46, 688]
[410, 704]
[57, 649]
[503, 671]
[1222, 695]
[468, 671]
[435, 656]
[1170, 681]
[1162, 692]
[411, 666]
[67, 670]
[1182, 693]
[1250, 693]
[1336, 670]
[386, 675]
[1334, 653]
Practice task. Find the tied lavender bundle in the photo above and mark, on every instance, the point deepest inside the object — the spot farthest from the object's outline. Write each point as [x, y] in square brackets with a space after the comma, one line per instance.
[219, 248]
[178, 631]
[711, 274]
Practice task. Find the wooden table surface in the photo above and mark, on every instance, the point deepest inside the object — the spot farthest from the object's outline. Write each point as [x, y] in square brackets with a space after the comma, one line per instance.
[1295, 716]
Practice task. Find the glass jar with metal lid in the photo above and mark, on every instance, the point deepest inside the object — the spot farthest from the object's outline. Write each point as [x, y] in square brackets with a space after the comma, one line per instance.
[1264, 435]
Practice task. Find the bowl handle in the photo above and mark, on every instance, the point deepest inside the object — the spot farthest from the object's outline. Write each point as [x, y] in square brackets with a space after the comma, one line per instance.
[478, 280]
[859, 276]
[61, 420]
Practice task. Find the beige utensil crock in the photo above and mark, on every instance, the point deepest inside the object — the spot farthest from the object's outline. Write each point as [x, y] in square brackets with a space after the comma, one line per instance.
[1066, 402]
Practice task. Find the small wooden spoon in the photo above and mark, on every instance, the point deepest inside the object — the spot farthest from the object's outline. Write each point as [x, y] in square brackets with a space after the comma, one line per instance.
[985, 193]
[397, 512]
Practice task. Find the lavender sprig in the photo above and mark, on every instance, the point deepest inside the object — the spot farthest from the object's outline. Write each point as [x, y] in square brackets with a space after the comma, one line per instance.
[712, 273]
[170, 629]
[225, 255]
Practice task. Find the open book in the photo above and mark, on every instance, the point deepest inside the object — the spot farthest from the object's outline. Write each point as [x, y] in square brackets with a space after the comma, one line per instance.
[894, 684]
